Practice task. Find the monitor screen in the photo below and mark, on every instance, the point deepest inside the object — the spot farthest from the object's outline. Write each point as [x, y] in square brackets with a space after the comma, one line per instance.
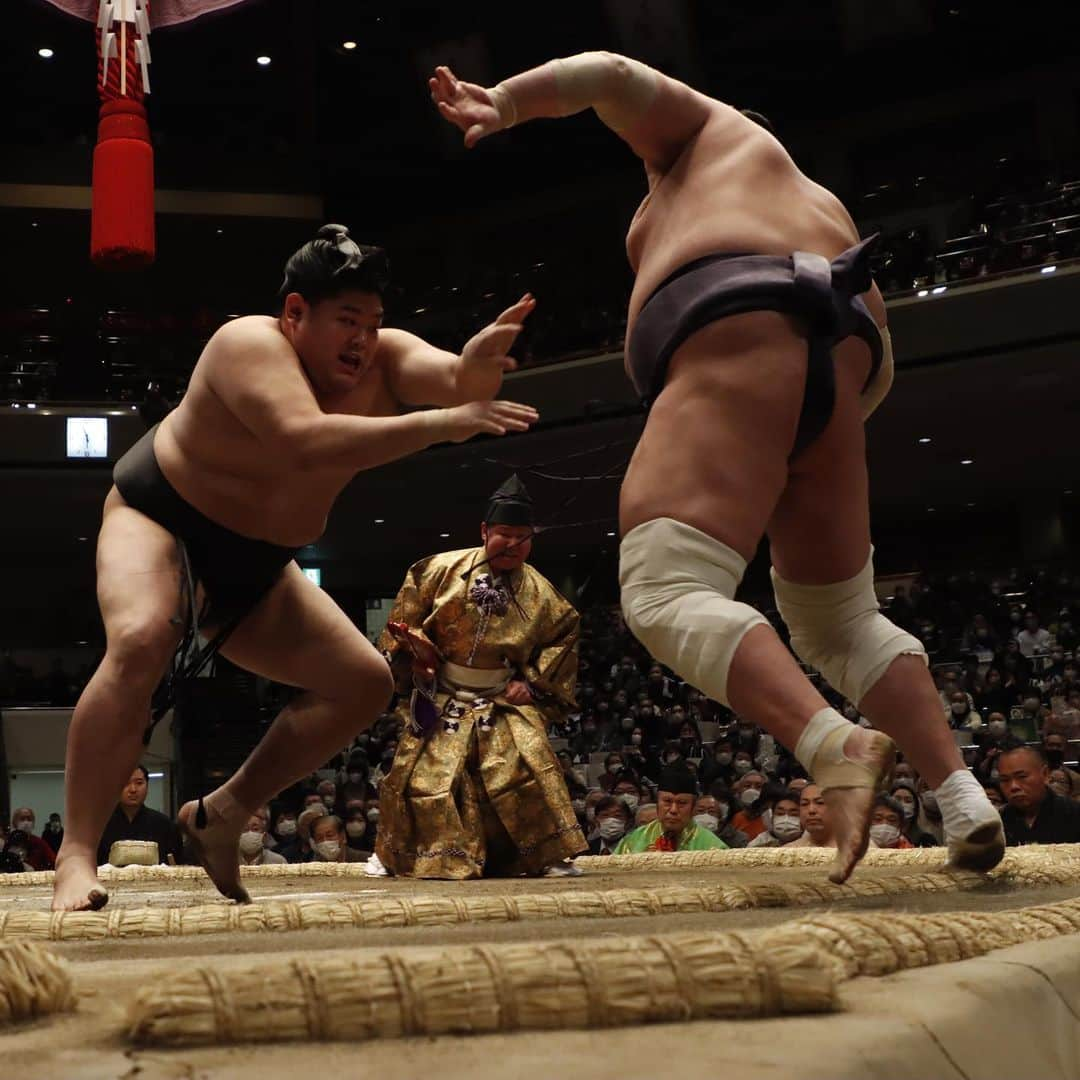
[313, 573]
[87, 437]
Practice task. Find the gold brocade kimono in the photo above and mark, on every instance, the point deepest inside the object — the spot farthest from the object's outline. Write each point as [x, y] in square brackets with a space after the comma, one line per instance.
[482, 793]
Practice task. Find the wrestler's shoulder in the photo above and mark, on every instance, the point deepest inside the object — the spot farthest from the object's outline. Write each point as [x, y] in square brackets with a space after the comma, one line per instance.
[246, 332]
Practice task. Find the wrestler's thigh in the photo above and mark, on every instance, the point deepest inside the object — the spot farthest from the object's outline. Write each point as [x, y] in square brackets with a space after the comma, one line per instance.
[297, 635]
[714, 452]
[820, 529]
[138, 582]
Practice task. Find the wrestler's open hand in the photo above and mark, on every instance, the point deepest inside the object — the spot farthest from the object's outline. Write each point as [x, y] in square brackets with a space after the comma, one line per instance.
[485, 359]
[518, 692]
[466, 105]
[487, 417]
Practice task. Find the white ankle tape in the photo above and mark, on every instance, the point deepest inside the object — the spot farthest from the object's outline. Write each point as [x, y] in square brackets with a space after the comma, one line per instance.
[822, 724]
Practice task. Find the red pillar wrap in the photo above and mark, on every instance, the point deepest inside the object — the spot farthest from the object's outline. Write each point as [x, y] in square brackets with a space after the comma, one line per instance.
[122, 215]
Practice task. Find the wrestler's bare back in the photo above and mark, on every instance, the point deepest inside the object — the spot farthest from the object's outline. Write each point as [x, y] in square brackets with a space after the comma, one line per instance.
[733, 188]
[223, 470]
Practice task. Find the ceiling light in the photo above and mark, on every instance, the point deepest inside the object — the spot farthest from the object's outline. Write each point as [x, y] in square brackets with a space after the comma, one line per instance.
[379, 521]
[967, 461]
[938, 290]
[924, 292]
[262, 61]
[45, 54]
[444, 535]
[348, 45]
[611, 534]
[925, 439]
[930, 509]
[1047, 269]
[970, 505]
[31, 405]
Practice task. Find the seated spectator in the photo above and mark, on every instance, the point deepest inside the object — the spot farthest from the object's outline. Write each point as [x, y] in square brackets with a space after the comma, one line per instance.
[707, 814]
[993, 793]
[887, 824]
[1054, 747]
[591, 799]
[359, 834]
[646, 814]
[904, 771]
[1060, 782]
[674, 828]
[785, 826]
[904, 795]
[613, 822]
[53, 833]
[796, 786]
[328, 842]
[133, 820]
[929, 820]
[629, 791]
[573, 777]
[814, 818]
[39, 855]
[962, 714]
[1035, 814]
[613, 766]
[16, 853]
[726, 806]
[300, 849]
[751, 817]
[995, 696]
[689, 738]
[1033, 639]
[721, 765]
[253, 849]
[284, 828]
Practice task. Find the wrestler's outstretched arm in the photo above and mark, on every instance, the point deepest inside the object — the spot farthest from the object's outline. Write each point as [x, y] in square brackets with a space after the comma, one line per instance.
[258, 377]
[656, 115]
[421, 374]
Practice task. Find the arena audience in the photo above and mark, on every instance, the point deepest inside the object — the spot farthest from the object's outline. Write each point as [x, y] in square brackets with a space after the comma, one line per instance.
[134, 820]
[1035, 814]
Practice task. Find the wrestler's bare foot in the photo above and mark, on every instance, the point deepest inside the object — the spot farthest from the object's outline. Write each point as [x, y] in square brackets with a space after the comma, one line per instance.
[872, 756]
[76, 886]
[216, 844]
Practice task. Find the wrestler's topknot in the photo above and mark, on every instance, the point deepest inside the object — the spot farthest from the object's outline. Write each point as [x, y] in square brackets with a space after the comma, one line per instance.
[331, 264]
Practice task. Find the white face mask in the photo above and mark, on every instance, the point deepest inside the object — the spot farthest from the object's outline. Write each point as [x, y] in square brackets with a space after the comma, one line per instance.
[884, 835]
[786, 827]
[611, 828]
[722, 809]
[749, 796]
[24, 824]
[328, 850]
[909, 810]
[373, 814]
[251, 843]
[709, 822]
[631, 801]
[287, 827]
[355, 828]
[579, 806]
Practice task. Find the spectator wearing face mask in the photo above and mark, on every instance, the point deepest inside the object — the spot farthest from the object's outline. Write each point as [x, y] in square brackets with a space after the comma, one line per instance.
[962, 716]
[929, 820]
[721, 764]
[613, 822]
[1027, 724]
[53, 833]
[814, 818]
[1054, 747]
[903, 794]
[628, 790]
[887, 824]
[300, 849]
[613, 767]
[328, 842]
[253, 849]
[785, 826]
[39, 855]
[1035, 814]
[1060, 783]
[359, 833]
[752, 816]
[690, 739]
[284, 828]
[674, 828]
[719, 802]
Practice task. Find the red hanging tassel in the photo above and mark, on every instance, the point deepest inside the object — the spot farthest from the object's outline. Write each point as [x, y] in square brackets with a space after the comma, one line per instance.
[122, 209]
[122, 217]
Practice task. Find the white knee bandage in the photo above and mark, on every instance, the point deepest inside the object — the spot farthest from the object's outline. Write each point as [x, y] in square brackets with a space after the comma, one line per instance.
[677, 588]
[839, 630]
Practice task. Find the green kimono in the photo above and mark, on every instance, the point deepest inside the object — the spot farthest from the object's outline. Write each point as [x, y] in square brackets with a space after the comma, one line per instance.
[649, 837]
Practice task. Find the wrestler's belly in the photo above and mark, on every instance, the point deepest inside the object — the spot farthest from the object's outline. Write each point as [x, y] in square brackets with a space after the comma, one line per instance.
[275, 504]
